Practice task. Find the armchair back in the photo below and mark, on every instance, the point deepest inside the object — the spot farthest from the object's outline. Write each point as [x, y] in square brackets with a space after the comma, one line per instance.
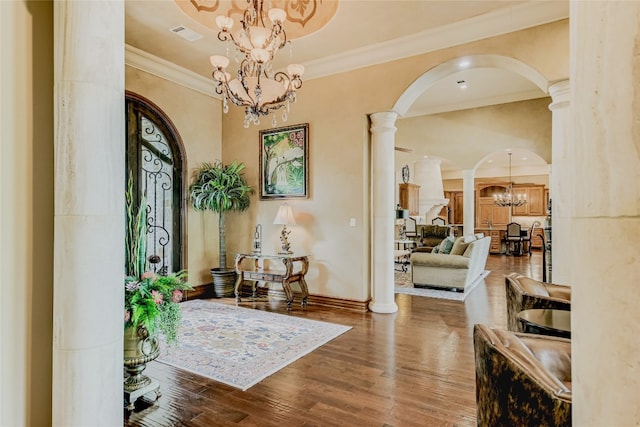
[524, 293]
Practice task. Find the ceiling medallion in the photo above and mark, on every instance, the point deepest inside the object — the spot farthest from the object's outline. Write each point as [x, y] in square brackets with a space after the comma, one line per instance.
[303, 17]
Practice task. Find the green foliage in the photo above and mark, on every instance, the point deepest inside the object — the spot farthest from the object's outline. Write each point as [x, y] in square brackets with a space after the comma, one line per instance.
[149, 300]
[152, 302]
[219, 188]
[136, 234]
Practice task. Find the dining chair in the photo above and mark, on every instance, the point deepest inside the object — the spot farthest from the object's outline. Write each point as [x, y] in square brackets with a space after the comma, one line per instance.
[528, 237]
[411, 229]
[513, 238]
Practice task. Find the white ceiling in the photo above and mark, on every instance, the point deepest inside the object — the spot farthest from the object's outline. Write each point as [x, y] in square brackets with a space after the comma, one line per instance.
[366, 32]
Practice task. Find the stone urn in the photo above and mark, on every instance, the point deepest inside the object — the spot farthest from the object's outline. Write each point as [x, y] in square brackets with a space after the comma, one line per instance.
[139, 349]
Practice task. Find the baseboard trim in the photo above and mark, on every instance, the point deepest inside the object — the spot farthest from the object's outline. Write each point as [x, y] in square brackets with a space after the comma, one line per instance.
[202, 291]
[321, 300]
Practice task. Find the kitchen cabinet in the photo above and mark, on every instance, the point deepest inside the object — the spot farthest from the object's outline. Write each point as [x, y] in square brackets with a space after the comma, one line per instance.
[497, 237]
[490, 214]
[535, 205]
[409, 195]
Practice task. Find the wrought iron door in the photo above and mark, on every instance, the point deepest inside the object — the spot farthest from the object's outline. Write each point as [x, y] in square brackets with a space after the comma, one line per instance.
[154, 160]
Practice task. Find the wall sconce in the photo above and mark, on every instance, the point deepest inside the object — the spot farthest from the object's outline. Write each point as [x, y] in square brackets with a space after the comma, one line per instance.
[257, 240]
[285, 217]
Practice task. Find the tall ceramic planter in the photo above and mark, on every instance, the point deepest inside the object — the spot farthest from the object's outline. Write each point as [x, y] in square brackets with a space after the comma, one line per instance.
[224, 280]
[139, 349]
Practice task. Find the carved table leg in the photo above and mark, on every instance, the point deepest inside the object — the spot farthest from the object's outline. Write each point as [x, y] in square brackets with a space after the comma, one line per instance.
[305, 291]
[238, 285]
[288, 292]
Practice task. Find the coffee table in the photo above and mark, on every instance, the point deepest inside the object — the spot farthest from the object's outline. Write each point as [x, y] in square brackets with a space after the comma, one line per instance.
[546, 321]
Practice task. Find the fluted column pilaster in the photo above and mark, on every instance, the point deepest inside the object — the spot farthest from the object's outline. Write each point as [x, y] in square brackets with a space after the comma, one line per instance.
[560, 182]
[382, 142]
[605, 212]
[468, 200]
[89, 153]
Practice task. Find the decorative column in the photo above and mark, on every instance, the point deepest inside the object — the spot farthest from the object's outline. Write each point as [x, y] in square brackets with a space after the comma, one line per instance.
[604, 211]
[560, 182]
[382, 276]
[468, 183]
[428, 176]
[89, 154]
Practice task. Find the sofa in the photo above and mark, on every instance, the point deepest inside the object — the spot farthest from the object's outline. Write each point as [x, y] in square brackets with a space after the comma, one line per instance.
[455, 270]
[524, 293]
[521, 379]
[430, 236]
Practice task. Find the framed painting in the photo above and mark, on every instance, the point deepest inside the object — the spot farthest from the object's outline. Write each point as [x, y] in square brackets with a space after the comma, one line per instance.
[284, 162]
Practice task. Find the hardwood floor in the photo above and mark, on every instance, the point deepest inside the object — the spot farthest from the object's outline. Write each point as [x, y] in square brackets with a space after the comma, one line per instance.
[412, 368]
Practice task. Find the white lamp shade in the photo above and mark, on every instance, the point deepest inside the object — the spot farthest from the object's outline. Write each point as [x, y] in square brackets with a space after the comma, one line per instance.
[219, 61]
[295, 70]
[224, 22]
[277, 15]
[260, 55]
[285, 216]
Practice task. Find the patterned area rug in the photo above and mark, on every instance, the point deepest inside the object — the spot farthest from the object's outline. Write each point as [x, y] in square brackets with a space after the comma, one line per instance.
[240, 347]
[405, 286]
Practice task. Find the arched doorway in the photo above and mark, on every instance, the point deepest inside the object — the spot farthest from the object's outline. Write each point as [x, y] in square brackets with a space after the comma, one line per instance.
[155, 158]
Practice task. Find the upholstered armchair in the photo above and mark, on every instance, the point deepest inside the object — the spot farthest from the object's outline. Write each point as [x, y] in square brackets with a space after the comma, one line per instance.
[521, 379]
[524, 293]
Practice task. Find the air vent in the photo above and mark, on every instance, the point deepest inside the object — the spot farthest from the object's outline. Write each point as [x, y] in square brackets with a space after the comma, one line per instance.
[186, 33]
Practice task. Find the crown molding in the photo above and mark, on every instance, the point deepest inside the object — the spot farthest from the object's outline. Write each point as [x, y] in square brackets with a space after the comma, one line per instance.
[152, 64]
[519, 17]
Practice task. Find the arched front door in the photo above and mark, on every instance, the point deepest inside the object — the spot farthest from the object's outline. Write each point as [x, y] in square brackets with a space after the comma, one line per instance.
[155, 162]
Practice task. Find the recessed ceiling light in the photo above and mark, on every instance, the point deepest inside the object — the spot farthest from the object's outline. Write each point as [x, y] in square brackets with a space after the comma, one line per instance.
[462, 84]
[186, 33]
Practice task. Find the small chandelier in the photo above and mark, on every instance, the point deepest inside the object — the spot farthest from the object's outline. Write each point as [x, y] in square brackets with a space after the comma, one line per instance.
[508, 198]
[257, 87]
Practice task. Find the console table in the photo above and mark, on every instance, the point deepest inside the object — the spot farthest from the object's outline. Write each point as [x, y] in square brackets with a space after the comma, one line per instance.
[294, 268]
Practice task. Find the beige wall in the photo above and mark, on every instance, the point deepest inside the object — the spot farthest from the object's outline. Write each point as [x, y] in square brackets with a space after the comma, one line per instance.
[337, 107]
[197, 118]
[466, 137]
[26, 213]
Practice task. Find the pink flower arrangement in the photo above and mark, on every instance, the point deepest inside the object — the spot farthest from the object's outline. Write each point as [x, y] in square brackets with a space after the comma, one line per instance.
[152, 302]
[176, 296]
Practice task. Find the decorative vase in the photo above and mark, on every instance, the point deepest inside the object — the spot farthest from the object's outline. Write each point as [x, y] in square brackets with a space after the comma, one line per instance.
[139, 349]
[224, 280]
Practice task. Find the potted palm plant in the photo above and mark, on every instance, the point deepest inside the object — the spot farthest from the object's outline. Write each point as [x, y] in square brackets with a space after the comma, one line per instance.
[220, 188]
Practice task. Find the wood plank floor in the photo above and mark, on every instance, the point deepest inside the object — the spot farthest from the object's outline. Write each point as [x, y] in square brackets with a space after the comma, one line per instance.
[411, 368]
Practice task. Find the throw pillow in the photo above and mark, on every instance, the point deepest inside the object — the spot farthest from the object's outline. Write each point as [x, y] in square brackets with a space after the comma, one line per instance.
[436, 249]
[459, 246]
[446, 245]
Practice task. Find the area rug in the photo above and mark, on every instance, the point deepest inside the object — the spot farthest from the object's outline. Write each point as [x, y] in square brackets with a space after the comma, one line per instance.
[403, 285]
[240, 347]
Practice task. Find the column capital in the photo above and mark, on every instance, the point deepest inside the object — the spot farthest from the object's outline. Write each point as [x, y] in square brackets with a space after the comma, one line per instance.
[560, 92]
[383, 121]
[468, 174]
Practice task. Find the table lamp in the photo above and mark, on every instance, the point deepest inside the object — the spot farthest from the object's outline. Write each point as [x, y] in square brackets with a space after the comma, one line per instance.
[285, 217]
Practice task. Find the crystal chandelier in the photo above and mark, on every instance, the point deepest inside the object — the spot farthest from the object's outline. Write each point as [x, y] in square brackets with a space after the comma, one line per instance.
[508, 198]
[257, 87]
